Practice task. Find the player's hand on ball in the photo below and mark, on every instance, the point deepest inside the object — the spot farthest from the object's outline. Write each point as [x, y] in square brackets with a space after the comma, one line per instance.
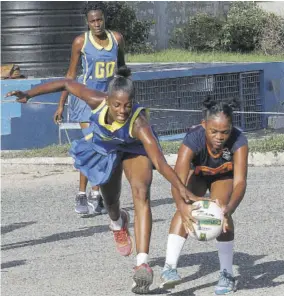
[22, 97]
[186, 216]
[188, 196]
[227, 211]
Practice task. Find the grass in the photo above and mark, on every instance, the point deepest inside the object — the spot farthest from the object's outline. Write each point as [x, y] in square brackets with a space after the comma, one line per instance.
[273, 143]
[178, 55]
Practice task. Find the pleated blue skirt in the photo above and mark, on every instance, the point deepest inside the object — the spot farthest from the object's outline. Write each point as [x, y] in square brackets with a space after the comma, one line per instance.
[96, 167]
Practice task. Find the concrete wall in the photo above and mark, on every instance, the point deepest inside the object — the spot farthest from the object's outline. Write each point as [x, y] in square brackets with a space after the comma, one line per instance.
[31, 126]
[168, 15]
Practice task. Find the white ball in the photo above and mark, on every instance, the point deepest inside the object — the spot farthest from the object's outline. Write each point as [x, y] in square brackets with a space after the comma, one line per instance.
[209, 218]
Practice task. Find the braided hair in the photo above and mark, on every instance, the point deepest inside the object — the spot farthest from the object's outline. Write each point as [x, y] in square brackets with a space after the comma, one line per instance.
[213, 108]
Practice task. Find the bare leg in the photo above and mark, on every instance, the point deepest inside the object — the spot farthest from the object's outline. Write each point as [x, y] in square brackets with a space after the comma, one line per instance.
[111, 193]
[138, 171]
[222, 190]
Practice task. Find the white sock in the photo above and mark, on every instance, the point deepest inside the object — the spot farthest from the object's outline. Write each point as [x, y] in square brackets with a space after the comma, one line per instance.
[82, 192]
[116, 225]
[226, 253]
[174, 248]
[141, 258]
[95, 193]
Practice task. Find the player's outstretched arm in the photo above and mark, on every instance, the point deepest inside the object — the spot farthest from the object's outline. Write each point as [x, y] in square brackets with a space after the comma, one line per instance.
[143, 132]
[92, 97]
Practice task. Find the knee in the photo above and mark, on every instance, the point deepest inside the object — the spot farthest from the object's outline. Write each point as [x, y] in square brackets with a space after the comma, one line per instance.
[141, 192]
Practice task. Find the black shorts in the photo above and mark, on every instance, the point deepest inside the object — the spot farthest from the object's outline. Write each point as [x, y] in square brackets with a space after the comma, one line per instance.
[209, 179]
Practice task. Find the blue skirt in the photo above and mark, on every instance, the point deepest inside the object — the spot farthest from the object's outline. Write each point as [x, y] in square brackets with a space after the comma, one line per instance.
[96, 167]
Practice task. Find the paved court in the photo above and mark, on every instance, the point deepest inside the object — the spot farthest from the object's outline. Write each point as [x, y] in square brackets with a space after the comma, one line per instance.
[47, 249]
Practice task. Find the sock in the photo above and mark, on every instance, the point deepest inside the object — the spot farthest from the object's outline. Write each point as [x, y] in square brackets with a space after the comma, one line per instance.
[95, 193]
[141, 258]
[116, 225]
[82, 192]
[174, 248]
[225, 253]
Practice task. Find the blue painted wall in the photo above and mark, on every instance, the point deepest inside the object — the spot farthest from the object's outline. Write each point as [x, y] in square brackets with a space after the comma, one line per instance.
[31, 126]
[25, 126]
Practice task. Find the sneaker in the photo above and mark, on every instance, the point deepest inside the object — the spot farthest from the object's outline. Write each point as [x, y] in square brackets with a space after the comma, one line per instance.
[170, 278]
[96, 204]
[226, 283]
[142, 279]
[81, 206]
[122, 237]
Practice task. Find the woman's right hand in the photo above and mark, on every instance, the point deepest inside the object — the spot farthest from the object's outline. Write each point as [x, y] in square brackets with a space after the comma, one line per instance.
[58, 115]
[186, 216]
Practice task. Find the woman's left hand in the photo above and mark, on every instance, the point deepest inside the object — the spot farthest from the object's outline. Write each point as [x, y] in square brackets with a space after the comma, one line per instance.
[22, 97]
[227, 211]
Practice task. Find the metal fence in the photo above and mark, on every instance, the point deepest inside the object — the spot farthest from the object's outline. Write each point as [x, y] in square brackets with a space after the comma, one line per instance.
[189, 93]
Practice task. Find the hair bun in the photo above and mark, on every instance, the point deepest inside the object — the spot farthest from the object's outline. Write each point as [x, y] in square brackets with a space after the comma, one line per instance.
[234, 104]
[123, 71]
[208, 103]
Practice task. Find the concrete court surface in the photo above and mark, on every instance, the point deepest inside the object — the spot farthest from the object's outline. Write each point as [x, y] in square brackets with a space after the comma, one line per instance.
[47, 249]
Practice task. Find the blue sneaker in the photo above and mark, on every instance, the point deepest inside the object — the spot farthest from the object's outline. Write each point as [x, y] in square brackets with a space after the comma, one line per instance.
[170, 278]
[81, 204]
[226, 283]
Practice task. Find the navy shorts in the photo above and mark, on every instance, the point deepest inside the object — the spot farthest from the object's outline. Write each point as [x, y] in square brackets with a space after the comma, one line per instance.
[210, 179]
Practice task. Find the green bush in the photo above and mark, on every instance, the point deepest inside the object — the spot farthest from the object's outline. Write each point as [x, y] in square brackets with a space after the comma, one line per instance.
[201, 32]
[121, 17]
[272, 37]
[244, 26]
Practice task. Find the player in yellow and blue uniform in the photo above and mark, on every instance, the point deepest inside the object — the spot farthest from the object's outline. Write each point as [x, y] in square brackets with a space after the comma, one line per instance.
[120, 140]
[111, 143]
[214, 157]
[101, 51]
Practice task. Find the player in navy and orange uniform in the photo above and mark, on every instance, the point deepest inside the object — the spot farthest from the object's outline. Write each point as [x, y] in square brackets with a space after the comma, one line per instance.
[212, 156]
[101, 51]
[120, 139]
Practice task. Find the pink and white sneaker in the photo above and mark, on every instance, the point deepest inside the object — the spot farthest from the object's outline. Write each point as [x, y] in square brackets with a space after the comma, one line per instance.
[123, 240]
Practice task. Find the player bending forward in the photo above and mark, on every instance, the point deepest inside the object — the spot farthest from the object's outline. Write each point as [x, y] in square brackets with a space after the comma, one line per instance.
[214, 156]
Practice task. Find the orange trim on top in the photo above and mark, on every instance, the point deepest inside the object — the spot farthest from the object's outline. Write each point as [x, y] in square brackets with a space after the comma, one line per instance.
[224, 168]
